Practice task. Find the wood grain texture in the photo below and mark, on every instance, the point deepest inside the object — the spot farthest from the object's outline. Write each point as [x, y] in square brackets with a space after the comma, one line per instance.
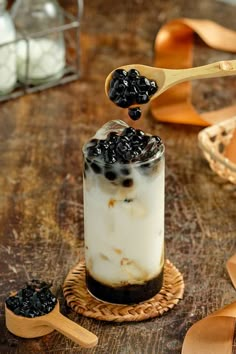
[41, 224]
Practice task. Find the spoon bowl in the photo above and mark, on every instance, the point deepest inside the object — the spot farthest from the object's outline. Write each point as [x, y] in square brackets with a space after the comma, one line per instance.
[166, 78]
[41, 325]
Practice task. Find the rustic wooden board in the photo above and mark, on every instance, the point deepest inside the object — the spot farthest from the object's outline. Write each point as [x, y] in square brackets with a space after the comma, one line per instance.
[41, 224]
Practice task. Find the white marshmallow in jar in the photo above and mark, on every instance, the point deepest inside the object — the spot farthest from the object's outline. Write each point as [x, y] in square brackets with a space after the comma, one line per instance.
[124, 184]
[40, 60]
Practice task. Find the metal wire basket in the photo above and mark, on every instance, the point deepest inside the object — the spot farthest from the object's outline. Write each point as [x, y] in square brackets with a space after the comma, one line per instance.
[70, 71]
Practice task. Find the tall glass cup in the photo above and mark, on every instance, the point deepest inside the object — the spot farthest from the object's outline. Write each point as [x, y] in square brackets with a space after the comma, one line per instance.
[124, 225]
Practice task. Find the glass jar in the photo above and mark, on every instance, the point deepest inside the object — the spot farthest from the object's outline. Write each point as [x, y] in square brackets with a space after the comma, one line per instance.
[41, 54]
[124, 225]
[8, 75]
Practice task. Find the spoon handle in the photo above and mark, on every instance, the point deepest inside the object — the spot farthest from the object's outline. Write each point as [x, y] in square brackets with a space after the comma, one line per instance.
[71, 330]
[221, 68]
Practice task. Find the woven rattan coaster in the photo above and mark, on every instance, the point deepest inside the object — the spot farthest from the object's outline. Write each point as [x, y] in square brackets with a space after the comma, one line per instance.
[82, 302]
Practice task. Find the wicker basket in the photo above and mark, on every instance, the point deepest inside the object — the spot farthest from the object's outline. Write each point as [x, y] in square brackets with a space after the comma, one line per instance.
[214, 141]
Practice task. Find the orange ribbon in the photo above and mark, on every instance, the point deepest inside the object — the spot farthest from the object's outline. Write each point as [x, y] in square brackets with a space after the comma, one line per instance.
[173, 50]
[214, 334]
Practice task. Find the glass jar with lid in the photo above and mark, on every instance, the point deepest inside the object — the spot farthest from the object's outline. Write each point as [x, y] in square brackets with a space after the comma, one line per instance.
[41, 52]
[7, 51]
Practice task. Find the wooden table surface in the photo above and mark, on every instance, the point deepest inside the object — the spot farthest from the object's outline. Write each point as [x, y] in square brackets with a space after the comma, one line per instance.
[41, 224]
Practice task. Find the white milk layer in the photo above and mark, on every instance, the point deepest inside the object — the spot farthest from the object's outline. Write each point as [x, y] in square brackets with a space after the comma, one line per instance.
[124, 227]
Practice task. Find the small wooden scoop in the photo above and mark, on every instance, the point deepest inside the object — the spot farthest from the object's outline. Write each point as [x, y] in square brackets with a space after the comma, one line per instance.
[39, 326]
[166, 78]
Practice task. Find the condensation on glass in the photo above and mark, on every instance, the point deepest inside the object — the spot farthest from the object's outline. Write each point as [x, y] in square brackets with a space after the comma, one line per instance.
[124, 227]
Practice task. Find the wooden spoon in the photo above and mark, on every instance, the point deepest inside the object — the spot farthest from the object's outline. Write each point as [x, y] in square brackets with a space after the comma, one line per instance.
[166, 78]
[39, 326]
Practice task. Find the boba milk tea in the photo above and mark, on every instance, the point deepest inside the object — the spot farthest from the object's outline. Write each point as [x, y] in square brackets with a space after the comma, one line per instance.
[124, 214]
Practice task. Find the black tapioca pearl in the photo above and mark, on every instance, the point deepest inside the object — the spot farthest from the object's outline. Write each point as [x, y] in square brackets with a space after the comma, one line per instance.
[133, 88]
[143, 83]
[94, 141]
[133, 73]
[142, 98]
[112, 147]
[112, 82]
[128, 95]
[128, 155]
[112, 137]
[97, 169]
[140, 132]
[116, 83]
[136, 139]
[119, 73]
[13, 302]
[104, 145]
[110, 156]
[123, 147]
[158, 140]
[27, 293]
[92, 144]
[145, 165]
[152, 88]
[113, 94]
[124, 82]
[129, 98]
[128, 182]
[121, 86]
[137, 150]
[128, 132]
[94, 151]
[135, 113]
[123, 139]
[133, 82]
[110, 175]
[122, 102]
[110, 159]
[133, 92]
[125, 171]
[145, 141]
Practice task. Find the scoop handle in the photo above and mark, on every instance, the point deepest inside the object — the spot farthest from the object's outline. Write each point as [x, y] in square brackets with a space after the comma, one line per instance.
[72, 330]
[218, 69]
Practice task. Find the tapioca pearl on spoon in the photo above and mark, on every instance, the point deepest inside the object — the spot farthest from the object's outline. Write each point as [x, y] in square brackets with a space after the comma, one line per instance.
[35, 299]
[34, 311]
[128, 89]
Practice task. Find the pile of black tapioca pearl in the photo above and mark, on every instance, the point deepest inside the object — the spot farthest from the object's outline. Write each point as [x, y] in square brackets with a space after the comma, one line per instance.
[129, 146]
[128, 88]
[35, 299]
